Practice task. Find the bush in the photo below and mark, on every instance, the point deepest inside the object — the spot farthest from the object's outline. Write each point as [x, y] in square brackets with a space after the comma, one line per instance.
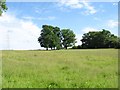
[77, 47]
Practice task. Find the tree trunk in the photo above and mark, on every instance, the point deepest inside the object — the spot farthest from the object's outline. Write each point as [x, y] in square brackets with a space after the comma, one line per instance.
[65, 47]
[46, 48]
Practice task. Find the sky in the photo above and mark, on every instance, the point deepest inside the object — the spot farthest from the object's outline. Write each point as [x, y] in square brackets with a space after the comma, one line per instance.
[20, 26]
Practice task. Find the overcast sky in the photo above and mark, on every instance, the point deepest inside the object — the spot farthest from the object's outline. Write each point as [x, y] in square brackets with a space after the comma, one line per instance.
[20, 26]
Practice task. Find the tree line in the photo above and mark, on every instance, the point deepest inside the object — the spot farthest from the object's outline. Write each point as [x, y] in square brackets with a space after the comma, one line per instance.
[99, 39]
[55, 38]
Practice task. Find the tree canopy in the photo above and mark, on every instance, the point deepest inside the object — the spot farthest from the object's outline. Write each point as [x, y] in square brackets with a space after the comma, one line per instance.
[68, 38]
[54, 38]
[3, 6]
[99, 39]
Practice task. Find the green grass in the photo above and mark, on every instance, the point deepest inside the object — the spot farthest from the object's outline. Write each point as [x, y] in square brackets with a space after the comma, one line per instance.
[61, 69]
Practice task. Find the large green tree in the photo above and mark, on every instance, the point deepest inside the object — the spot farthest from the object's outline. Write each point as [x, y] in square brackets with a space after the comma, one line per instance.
[57, 38]
[45, 36]
[3, 6]
[50, 37]
[68, 38]
[118, 43]
[99, 39]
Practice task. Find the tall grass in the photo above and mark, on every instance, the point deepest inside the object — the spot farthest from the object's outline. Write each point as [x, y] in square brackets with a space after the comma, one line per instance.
[61, 69]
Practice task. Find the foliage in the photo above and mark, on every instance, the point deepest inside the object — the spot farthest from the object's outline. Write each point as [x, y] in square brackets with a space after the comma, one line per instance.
[50, 37]
[53, 37]
[118, 43]
[68, 38]
[3, 6]
[99, 39]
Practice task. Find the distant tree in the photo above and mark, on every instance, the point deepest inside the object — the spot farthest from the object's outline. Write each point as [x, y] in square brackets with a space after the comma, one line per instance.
[77, 47]
[99, 39]
[57, 37]
[45, 36]
[50, 37]
[68, 38]
[112, 41]
[90, 40]
[54, 38]
[118, 43]
[3, 6]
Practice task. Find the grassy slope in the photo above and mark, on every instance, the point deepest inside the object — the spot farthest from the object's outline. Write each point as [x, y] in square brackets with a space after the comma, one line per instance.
[60, 69]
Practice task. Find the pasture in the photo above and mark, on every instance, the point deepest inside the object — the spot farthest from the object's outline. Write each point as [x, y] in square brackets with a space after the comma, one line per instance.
[90, 68]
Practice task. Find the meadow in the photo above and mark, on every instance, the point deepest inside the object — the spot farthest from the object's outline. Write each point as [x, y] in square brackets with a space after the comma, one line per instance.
[83, 68]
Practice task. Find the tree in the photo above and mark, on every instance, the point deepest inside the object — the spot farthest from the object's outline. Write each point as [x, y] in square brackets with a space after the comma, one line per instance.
[3, 6]
[57, 37]
[118, 43]
[68, 38]
[99, 39]
[50, 37]
[54, 38]
[112, 41]
[90, 40]
[46, 36]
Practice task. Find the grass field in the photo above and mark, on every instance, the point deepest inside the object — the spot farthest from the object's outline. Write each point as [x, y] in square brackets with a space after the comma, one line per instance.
[61, 69]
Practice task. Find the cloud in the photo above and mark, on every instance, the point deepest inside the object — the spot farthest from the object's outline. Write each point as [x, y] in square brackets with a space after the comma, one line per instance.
[112, 23]
[89, 9]
[39, 18]
[115, 4]
[18, 33]
[71, 3]
[78, 4]
[78, 38]
[40, 10]
[87, 29]
[47, 18]
[28, 18]
[97, 19]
